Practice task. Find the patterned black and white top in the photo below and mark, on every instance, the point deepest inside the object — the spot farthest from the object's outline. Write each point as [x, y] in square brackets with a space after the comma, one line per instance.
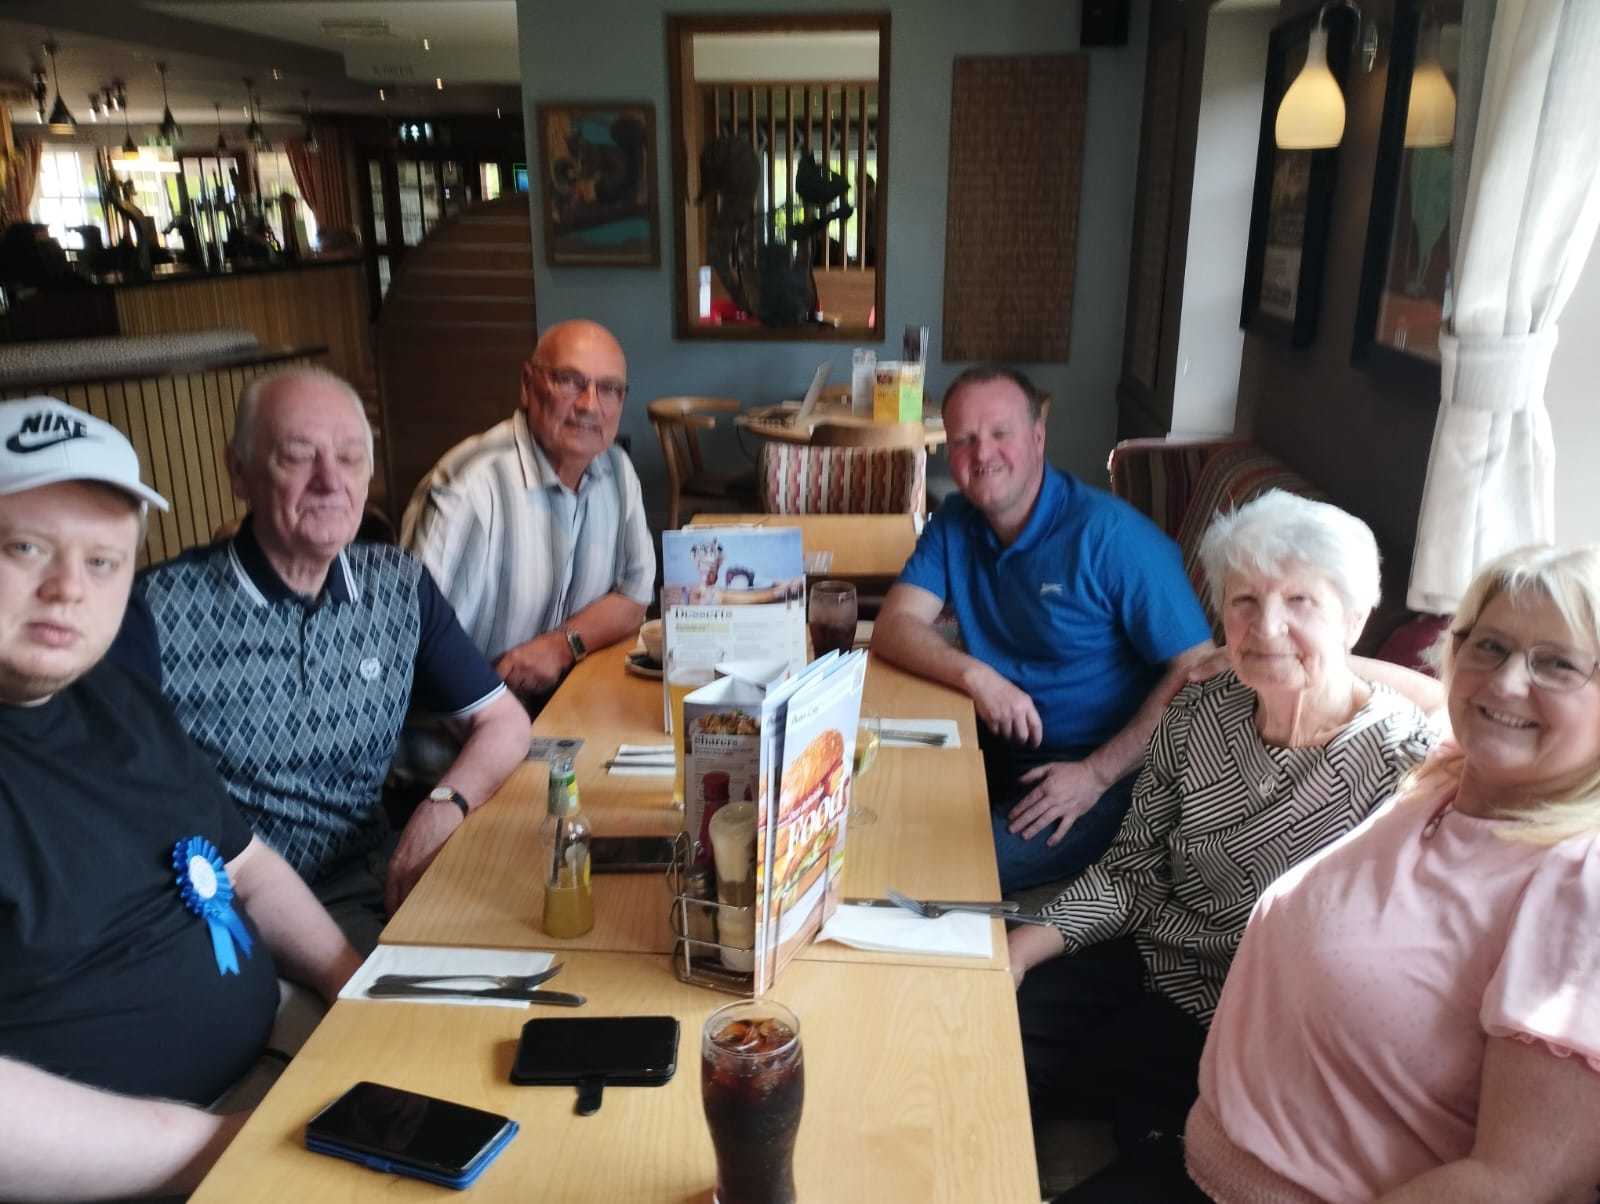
[1217, 815]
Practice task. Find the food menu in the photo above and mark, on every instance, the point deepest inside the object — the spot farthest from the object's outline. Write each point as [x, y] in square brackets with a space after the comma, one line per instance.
[786, 746]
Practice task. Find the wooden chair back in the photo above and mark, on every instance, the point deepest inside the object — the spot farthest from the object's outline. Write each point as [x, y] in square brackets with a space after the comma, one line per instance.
[676, 421]
[875, 434]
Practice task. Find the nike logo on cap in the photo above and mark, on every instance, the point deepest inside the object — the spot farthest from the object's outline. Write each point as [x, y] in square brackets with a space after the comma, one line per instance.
[45, 429]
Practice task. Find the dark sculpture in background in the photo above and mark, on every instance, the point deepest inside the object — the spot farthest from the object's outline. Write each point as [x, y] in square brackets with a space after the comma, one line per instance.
[765, 264]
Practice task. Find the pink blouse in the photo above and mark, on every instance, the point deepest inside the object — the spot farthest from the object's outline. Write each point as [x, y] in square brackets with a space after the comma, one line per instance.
[1347, 1047]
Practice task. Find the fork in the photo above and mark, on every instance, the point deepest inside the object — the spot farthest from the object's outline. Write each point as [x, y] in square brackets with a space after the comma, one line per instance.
[511, 982]
[932, 911]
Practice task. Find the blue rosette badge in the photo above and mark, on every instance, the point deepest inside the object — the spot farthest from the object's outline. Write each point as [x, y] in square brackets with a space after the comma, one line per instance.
[205, 890]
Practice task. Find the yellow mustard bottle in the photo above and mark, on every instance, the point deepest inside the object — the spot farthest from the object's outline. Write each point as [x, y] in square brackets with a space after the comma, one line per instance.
[568, 901]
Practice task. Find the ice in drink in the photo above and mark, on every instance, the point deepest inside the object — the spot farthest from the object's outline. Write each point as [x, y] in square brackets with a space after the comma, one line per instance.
[752, 1082]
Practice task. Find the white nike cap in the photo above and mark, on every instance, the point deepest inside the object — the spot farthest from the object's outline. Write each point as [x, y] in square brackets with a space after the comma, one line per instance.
[44, 441]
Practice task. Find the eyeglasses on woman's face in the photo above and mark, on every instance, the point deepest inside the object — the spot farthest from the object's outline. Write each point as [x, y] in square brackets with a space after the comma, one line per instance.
[1551, 667]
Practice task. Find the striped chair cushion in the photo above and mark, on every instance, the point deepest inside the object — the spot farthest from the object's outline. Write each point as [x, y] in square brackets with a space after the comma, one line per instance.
[798, 479]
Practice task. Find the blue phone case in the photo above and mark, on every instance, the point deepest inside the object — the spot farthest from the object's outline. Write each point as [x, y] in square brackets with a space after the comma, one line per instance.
[378, 1162]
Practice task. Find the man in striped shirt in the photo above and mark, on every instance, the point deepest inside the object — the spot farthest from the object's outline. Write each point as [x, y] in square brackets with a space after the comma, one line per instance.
[535, 529]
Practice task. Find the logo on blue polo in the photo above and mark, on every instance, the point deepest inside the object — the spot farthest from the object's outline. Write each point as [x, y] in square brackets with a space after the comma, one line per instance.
[1051, 588]
[46, 429]
[370, 668]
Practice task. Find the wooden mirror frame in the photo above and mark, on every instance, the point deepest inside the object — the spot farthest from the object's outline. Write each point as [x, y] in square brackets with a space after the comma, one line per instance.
[681, 30]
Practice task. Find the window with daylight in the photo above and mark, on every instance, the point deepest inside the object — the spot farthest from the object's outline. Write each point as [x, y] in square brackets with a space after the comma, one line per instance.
[68, 196]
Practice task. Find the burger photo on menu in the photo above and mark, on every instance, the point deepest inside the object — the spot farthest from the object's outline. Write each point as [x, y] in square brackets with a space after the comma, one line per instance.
[814, 794]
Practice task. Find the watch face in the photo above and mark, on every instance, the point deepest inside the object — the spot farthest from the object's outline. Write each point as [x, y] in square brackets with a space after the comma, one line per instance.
[441, 794]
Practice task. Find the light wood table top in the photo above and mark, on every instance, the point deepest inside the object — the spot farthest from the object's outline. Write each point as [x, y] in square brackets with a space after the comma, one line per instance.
[921, 825]
[865, 547]
[761, 422]
[914, 1092]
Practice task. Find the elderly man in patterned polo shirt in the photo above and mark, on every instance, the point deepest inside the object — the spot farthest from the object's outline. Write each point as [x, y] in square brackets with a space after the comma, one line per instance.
[535, 528]
[291, 654]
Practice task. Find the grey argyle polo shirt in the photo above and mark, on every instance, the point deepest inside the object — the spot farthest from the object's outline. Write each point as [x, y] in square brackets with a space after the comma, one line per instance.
[299, 701]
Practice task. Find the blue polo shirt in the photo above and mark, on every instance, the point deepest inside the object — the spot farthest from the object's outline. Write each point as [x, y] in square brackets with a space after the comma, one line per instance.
[1083, 611]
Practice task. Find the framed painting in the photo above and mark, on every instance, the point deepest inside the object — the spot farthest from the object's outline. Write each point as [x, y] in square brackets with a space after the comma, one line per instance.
[1293, 197]
[1418, 186]
[597, 180]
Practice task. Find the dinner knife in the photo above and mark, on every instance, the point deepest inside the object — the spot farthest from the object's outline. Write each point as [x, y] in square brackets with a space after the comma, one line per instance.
[554, 998]
[1001, 907]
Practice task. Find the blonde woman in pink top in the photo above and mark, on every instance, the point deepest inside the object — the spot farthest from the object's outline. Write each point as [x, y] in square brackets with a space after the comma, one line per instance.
[1414, 1013]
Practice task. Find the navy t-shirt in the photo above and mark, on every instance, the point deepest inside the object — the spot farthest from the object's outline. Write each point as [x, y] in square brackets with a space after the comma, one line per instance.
[1082, 611]
[105, 977]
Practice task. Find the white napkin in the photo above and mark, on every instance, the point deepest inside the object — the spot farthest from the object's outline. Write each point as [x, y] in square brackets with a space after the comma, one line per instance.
[895, 930]
[650, 761]
[444, 959]
[946, 727]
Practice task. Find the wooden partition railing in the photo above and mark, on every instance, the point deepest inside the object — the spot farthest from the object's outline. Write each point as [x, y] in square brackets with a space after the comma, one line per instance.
[179, 421]
[835, 122]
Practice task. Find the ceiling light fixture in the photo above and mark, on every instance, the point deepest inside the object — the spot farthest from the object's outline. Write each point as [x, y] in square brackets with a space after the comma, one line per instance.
[312, 145]
[121, 95]
[170, 133]
[277, 73]
[61, 120]
[438, 84]
[222, 142]
[41, 92]
[427, 45]
[382, 95]
[1431, 111]
[254, 134]
[1311, 114]
[94, 106]
[129, 147]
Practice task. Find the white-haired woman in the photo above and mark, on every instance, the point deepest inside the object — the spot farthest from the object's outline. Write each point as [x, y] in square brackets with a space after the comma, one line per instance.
[1247, 774]
[1414, 1015]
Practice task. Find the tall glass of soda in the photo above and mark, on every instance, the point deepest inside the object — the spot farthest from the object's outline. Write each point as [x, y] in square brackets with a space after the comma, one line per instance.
[832, 617]
[752, 1080]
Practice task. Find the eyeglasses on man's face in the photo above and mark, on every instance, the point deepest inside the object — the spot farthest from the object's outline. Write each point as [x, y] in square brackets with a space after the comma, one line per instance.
[568, 385]
[1550, 666]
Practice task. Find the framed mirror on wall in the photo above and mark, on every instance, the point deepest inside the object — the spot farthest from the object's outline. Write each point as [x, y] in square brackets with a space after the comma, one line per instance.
[780, 162]
[1437, 60]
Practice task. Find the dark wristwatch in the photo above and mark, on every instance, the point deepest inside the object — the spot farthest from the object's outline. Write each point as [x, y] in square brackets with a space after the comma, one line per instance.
[449, 794]
[576, 644]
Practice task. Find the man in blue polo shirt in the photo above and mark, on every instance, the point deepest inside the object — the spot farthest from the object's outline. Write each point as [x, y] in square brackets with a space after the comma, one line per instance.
[1078, 621]
[292, 652]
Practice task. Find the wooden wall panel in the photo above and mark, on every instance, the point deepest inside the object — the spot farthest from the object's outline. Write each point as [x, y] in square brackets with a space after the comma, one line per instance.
[1011, 231]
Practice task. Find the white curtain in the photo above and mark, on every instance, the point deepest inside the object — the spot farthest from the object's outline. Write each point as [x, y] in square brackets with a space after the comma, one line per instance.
[1533, 204]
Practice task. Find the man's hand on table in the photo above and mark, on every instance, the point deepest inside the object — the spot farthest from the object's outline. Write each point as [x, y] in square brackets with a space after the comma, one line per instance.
[429, 827]
[1062, 791]
[535, 667]
[1005, 710]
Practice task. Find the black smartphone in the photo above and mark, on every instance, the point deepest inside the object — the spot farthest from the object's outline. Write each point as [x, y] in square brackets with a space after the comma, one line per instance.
[629, 854]
[401, 1132]
[626, 1051]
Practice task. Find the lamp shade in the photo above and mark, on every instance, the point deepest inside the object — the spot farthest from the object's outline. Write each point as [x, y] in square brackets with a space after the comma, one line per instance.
[1431, 112]
[1311, 115]
[61, 120]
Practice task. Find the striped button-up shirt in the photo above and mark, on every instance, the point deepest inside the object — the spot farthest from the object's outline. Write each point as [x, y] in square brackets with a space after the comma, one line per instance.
[1218, 814]
[516, 551]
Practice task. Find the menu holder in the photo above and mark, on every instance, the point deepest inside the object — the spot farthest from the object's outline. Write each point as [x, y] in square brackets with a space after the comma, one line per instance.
[784, 753]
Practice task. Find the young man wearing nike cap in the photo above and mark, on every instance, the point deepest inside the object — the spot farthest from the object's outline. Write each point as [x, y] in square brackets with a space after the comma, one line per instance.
[141, 923]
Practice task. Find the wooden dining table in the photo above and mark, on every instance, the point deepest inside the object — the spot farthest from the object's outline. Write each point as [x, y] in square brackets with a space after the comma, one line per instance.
[866, 549]
[776, 422]
[914, 1081]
